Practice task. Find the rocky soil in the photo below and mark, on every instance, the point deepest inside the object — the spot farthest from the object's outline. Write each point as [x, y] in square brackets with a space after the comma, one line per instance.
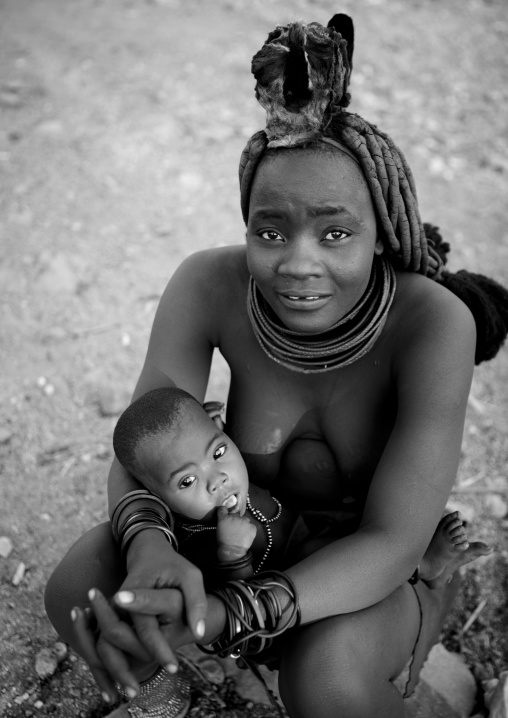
[121, 125]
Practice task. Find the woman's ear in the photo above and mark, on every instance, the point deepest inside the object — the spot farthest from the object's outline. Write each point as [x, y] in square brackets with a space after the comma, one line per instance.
[342, 23]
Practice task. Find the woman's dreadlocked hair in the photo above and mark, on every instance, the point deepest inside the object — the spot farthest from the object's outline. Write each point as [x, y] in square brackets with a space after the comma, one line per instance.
[302, 73]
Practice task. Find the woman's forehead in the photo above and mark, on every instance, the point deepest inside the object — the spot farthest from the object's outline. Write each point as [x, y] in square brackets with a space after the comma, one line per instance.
[314, 177]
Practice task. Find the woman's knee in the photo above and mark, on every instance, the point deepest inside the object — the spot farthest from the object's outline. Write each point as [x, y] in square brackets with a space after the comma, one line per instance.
[93, 560]
[344, 666]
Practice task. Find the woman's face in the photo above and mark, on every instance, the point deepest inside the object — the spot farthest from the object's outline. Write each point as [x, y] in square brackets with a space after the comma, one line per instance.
[311, 237]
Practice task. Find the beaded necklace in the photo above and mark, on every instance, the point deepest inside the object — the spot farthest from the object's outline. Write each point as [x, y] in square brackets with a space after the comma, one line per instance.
[348, 340]
[266, 522]
[198, 528]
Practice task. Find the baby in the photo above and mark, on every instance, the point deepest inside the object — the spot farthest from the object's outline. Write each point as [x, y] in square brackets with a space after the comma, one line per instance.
[226, 526]
[169, 443]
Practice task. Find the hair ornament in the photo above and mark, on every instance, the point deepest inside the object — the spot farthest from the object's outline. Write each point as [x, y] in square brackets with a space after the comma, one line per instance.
[302, 73]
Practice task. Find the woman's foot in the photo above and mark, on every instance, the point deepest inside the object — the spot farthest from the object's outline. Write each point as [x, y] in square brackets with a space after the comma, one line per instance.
[448, 550]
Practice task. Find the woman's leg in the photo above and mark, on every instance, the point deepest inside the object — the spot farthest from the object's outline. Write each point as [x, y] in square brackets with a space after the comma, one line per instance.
[94, 560]
[344, 666]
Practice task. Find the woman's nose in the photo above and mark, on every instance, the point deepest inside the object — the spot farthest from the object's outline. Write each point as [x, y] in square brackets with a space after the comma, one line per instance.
[300, 258]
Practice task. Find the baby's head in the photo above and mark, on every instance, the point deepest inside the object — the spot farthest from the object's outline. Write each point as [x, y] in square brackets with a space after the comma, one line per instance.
[169, 443]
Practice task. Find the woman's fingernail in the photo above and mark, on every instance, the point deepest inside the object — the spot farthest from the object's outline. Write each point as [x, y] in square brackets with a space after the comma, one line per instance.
[74, 614]
[105, 697]
[200, 628]
[92, 593]
[125, 597]
[131, 692]
[171, 668]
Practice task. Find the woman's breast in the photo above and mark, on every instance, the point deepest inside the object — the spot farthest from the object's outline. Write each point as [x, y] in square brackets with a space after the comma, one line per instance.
[315, 444]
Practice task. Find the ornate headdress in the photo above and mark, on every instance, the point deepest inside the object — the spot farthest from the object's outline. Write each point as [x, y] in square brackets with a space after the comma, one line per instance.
[302, 73]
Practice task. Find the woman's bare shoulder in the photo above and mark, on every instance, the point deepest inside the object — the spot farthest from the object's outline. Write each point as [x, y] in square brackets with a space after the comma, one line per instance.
[429, 318]
[217, 265]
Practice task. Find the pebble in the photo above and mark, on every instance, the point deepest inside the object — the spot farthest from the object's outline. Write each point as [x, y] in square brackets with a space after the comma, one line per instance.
[447, 674]
[58, 276]
[19, 574]
[45, 663]
[21, 699]
[250, 688]
[496, 699]
[496, 506]
[50, 128]
[112, 400]
[5, 546]
[213, 671]
[10, 98]
[5, 436]
[60, 650]
[38, 704]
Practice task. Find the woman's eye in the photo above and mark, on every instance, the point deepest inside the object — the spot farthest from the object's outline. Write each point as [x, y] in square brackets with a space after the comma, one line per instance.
[219, 451]
[271, 235]
[186, 482]
[336, 235]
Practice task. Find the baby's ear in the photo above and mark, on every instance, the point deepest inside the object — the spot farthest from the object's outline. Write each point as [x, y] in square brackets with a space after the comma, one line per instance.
[342, 23]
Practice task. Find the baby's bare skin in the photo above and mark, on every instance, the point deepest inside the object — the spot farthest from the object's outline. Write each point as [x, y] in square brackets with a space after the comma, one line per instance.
[448, 550]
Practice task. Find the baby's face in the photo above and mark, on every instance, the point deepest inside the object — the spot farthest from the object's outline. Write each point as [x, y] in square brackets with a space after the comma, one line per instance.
[194, 468]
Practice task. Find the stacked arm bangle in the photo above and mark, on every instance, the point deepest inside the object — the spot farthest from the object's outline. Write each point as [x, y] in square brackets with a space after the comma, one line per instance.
[124, 529]
[254, 614]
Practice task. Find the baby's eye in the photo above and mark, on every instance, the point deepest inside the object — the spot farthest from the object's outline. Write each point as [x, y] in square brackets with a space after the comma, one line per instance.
[219, 451]
[186, 482]
[271, 235]
[337, 235]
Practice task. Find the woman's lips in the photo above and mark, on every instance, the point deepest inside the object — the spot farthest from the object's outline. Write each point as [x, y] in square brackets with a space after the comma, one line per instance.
[303, 301]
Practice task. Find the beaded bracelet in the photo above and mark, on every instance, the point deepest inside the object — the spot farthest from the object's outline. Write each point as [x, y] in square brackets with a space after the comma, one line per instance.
[254, 614]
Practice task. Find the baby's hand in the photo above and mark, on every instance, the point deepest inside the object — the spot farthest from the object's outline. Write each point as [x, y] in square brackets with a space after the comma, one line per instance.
[235, 535]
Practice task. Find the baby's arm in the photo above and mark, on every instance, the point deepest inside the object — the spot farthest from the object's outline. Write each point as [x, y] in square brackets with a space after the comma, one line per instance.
[235, 535]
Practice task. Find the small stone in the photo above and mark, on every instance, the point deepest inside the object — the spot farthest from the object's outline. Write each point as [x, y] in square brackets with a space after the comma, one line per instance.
[5, 546]
[496, 699]
[496, 506]
[45, 663]
[58, 276]
[60, 650]
[213, 671]
[21, 699]
[190, 181]
[112, 400]
[38, 705]
[126, 339]
[5, 436]
[250, 688]
[50, 128]
[41, 382]
[19, 574]
[447, 674]
[49, 389]
[10, 98]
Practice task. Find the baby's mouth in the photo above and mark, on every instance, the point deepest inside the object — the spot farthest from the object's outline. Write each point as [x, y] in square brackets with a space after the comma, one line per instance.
[230, 502]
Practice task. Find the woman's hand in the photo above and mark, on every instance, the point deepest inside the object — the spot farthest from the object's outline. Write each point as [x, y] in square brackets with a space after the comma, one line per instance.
[110, 646]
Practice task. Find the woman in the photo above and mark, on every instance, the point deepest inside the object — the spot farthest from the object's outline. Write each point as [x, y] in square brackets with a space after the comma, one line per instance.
[350, 371]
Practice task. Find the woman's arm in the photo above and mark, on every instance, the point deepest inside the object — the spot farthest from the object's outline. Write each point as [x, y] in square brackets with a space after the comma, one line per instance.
[433, 365]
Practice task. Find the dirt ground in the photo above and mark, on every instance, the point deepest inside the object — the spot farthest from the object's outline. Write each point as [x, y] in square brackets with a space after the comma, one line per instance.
[121, 127]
